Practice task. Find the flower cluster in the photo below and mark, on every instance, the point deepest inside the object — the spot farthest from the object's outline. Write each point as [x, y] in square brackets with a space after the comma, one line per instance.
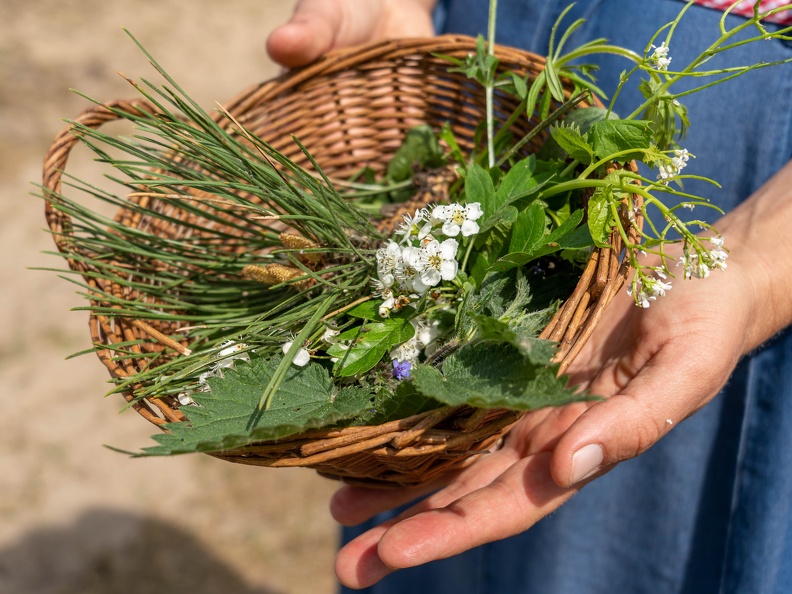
[678, 162]
[425, 254]
[659, 58]
[645, 289]
[698, 264]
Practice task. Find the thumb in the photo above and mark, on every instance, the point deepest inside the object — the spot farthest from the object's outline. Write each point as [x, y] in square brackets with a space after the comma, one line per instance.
[636, 417]
[318, 26]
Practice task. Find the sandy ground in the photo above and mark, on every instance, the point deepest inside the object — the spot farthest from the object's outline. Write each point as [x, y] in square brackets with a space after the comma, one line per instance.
[76, 517]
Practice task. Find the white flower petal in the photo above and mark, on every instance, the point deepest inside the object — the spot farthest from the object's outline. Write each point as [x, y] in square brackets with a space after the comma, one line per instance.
[448, 248]
[469, 228]
[451, 229]
[473, 211]
[448, 269]
[430, 277]
[302, 358]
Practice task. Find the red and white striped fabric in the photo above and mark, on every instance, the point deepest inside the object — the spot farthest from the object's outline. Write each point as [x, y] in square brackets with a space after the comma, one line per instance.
[745, 8]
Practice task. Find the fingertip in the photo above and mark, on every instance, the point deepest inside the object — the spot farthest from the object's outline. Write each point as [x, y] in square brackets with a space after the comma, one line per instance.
[297, 44]
[358, 564]
[581, 453]
[345, 508]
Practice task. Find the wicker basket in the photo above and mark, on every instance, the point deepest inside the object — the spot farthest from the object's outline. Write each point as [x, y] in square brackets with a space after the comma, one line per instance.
[352, 108]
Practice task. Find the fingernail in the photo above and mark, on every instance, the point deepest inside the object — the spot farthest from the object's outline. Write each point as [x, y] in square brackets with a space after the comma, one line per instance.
[585, 462]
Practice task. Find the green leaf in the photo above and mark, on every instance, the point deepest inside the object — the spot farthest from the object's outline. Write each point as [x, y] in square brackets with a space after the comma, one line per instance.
[572, 141]
[553, 82]
[520, 85]
[600, 221]
[519, 182]
[420, 148]
[369, 310]
[401, 403]
[369, 343]
[227, 417]
[538, 352]
[528, 229]
[570, 235]
[609, 137]
[491, 374]
[479, 187]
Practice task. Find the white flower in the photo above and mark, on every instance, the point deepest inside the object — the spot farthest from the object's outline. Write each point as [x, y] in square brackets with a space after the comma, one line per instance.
[693, 266]
[389, 300]
[410, 267]
[660, 57]
[440, 214]
[407, 351]
[462, 219]
[646, 289]
[417, 225]
[388, 259]
[302, 357]
[718, 255]
[329, 335]
[231, 352]
[184, 399]
[426, 333]
[439, 264]
[667, 171]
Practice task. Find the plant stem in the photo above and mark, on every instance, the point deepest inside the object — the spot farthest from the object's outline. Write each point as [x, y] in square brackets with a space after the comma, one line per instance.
[490, 87]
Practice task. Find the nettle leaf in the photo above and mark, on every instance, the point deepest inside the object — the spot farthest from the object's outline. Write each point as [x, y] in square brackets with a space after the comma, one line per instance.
[609, 137]
[368, 344]
[227, 417]
[491, 374]
[573, 142]
[405, 401]
[600, 218]
[537, 351]
[581, 118]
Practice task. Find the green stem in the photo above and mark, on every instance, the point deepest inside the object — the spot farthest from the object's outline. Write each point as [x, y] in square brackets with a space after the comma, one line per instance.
[541, 126]
[467, 255]
[489, 89]
[280, 372]
[706, 55]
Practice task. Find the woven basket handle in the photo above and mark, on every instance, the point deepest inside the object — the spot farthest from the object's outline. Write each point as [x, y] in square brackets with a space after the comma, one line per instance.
[58, 155]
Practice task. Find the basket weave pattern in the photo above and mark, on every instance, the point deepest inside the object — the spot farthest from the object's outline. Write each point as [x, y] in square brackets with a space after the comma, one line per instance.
[350, 109]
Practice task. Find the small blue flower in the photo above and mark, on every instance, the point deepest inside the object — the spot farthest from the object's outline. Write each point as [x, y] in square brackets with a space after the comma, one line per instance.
[401, 369]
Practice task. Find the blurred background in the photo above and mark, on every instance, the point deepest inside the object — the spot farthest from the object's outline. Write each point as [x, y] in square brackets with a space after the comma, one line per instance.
[76, 517]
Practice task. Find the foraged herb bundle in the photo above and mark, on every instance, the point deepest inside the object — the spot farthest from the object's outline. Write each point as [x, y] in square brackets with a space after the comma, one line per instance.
[270, 296]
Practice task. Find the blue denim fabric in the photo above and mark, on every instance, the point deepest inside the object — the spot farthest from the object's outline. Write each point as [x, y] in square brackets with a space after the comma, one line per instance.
[707, 509]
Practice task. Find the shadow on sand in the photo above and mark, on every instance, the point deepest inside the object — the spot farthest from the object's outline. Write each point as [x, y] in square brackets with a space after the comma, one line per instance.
[111, 552]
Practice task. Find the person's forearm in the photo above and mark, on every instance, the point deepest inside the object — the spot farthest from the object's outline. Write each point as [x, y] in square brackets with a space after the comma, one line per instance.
[759, 235]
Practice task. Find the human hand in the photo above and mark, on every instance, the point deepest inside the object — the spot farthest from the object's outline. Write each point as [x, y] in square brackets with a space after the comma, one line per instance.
[318, 26]
[655, 367]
